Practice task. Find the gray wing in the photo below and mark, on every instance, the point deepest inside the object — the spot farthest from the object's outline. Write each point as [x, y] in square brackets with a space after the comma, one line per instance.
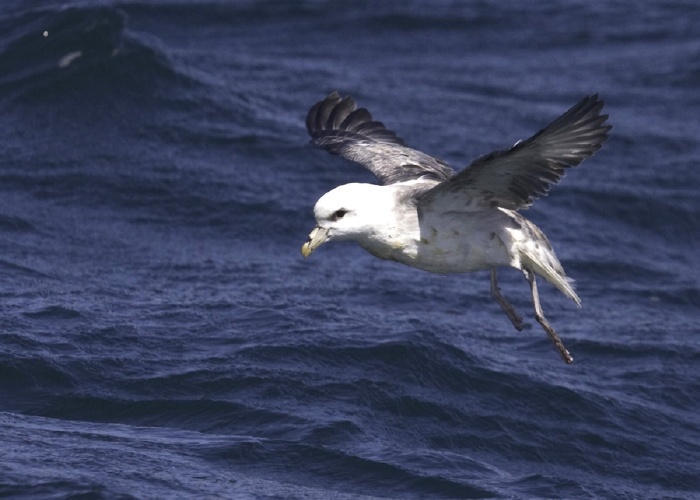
[336, 125]
[513, 178]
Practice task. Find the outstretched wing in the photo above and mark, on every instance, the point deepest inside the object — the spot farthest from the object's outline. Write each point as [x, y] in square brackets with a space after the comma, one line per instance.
[336, 125]
[513, 178]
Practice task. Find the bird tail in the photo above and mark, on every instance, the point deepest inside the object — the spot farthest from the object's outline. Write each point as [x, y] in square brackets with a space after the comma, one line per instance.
[554, 274]
[541, 259]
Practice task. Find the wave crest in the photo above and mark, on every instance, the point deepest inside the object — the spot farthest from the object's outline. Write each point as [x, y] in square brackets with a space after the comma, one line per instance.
[49, 47]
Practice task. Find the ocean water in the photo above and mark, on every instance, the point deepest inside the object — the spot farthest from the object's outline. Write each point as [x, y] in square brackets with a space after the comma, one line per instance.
[162, 337]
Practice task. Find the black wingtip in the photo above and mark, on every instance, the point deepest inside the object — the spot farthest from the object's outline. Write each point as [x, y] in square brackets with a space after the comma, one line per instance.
[337, 116]
[318, 116]
[585, 115]
[591, 106]
[601, 119]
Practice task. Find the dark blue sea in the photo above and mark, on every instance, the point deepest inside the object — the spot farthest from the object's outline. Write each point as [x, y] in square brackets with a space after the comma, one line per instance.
[161, 335]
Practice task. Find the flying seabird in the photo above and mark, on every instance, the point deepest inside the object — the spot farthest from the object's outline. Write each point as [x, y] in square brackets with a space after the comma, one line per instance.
[425, 215]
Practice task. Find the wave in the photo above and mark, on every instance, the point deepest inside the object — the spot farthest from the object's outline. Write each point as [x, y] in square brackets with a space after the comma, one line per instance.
[10, 223]
[287, 398]
[665, 214]
[48, 48]
[335, 469]
[54, 312]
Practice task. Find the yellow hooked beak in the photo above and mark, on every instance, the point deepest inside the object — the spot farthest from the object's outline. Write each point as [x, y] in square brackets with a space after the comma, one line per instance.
[316, 238]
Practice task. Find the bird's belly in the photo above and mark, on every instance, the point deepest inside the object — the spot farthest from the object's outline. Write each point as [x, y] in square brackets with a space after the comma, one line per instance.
[453, 253]
[453, 242]
[452, 258]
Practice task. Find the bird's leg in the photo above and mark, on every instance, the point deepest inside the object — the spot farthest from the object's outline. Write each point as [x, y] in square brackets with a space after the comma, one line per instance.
[513, 316]
[539, 316]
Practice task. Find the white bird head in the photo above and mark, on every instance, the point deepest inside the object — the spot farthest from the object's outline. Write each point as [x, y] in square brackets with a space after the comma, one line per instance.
[349, 212]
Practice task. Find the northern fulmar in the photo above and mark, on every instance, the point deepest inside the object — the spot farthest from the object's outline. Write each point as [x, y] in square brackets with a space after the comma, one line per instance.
[425, 215]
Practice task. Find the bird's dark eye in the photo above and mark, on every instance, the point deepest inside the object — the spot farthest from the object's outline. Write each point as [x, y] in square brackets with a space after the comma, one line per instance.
[339, 214]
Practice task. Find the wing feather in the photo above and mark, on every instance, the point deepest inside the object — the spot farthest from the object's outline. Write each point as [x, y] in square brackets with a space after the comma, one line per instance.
[513, 178]
[338, 126]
